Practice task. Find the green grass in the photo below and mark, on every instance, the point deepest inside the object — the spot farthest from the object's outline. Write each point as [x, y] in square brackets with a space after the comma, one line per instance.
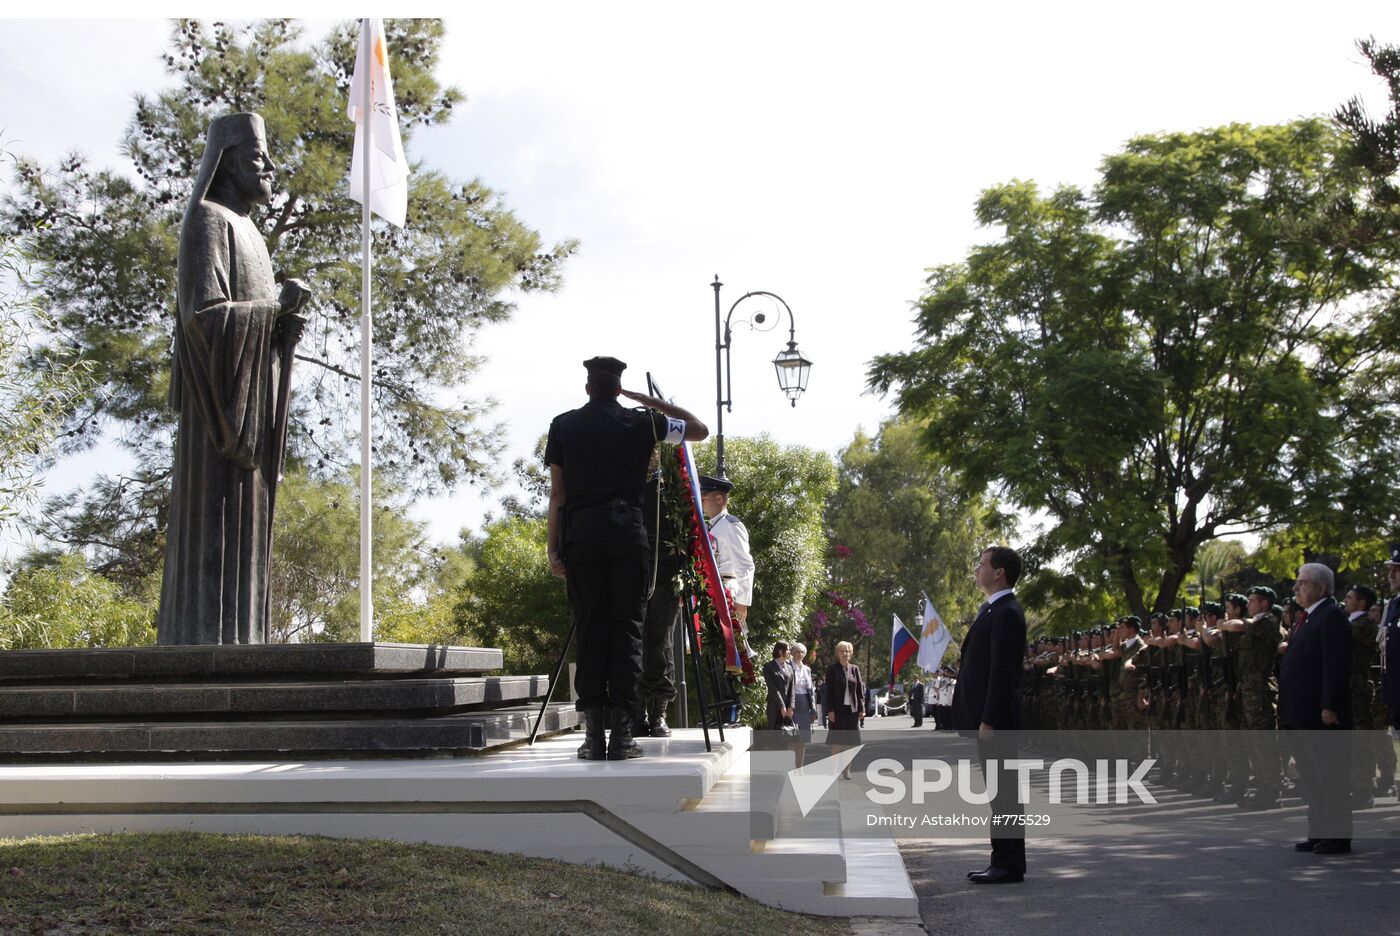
[252, 885]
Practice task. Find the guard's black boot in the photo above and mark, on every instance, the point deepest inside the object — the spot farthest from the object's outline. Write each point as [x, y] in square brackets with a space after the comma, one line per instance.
[656, 718]
[595, 746]
[620, 743]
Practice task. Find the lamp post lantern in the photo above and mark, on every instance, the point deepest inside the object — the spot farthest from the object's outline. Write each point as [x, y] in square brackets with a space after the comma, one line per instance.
[792, 368]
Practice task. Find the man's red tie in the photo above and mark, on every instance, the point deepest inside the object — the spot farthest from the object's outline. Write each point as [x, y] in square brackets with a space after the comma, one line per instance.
[1298, 625]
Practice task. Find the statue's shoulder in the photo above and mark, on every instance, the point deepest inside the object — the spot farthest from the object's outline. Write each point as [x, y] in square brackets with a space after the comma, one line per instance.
[207, 220]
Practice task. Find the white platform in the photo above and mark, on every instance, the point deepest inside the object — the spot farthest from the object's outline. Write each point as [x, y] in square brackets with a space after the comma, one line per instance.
[679, 813]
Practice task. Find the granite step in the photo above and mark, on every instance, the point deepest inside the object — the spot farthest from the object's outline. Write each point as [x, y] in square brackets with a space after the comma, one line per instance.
[365, 660]
[456, 734]
[165, 699]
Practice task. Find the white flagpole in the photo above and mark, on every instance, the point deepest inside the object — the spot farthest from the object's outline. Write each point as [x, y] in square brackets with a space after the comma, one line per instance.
[366, 339]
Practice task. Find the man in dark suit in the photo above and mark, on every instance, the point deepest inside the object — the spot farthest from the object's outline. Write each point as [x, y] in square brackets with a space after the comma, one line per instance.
[916, 701]
[987, 705]
[1315, 708]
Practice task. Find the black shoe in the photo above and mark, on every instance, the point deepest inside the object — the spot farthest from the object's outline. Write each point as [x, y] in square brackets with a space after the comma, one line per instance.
[594, 745]
[1361, 801]
[1307, 846]
[1332, 847]
[973, 874]
[621, 746]
[1259, 802]
[998, 876]
[656, 719]
[1385, 788]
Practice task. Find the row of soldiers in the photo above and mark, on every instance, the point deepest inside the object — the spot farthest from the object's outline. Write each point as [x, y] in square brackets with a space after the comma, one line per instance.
[1190, 677]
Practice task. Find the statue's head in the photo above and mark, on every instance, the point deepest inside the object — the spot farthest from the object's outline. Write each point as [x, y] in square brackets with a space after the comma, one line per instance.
[236, 161]
[248, 170]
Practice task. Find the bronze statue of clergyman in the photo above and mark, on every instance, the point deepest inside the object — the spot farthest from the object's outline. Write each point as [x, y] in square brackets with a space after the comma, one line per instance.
[233, 353]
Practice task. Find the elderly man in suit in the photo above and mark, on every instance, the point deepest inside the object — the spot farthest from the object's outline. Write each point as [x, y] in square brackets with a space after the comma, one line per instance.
[1315, 708]
[987, 705]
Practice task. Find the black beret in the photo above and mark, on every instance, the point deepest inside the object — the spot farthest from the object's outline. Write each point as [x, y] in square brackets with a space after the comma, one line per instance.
[1192, 612]
[1264, 591]
[1132, 621]
[1212, 607]
[605, 365]
[708, 484]
[1394, 556]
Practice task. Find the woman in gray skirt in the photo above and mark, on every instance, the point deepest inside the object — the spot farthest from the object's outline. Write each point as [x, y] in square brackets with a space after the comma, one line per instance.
[803, 700]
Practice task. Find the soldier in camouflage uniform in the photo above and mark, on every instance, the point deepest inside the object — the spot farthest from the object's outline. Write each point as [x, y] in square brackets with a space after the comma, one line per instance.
[1130, 690]
[1259, 638]
[1364, 655]
[1079, 679]
[1228, 760]
[1196, 704]
[1178, 691]
[1156, 654]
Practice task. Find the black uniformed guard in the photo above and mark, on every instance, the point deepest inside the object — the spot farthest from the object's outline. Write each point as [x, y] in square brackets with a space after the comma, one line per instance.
[597, 457]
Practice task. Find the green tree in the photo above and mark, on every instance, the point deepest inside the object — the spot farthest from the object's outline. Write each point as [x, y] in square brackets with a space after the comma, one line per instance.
[512, 601]
[316, 563]
[38, 388]
[1214, 561]
[111, 241]
[1375, 141]
[64, 604]
[909, 527]
[1178, 356]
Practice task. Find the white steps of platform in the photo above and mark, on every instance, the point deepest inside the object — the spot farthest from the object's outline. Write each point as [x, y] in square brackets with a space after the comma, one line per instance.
[830, 875]
[679, 813]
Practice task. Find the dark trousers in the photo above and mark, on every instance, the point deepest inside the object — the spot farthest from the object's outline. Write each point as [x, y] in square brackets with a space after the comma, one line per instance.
[916, 709]
[607, 589]
[1007, 833]
[658, 641]
[1323, 757]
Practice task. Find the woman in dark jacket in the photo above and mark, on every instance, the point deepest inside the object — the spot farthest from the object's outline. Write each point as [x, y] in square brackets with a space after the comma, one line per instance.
[845, 701]
[777, 673]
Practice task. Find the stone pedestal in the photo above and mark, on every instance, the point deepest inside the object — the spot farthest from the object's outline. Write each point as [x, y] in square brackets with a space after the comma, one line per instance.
[285, 700]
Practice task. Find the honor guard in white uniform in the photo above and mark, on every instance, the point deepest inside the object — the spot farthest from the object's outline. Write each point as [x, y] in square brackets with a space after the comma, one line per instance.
[731, 539]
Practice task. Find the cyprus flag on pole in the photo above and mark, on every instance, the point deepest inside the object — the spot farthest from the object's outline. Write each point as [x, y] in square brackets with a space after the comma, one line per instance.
[388, 170]
[933, 637]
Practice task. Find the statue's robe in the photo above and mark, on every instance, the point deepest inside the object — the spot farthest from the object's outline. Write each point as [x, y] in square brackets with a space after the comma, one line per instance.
[224, 383]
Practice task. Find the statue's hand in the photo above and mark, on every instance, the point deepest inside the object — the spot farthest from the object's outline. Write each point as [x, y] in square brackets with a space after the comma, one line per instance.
[294, 295]
[291, 326]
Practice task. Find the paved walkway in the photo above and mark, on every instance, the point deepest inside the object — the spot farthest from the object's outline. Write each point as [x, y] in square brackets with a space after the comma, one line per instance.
[1159, 887]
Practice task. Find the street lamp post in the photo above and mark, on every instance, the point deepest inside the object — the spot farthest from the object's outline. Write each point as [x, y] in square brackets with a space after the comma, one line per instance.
[793, 369]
